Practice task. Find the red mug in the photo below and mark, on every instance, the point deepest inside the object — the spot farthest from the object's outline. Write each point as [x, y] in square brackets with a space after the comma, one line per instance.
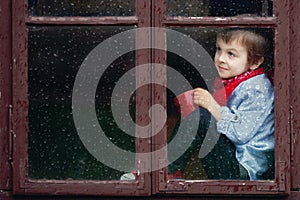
[185, 103]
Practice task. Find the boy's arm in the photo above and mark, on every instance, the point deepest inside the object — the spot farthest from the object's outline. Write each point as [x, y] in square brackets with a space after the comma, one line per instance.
[240, 123]
[250, 113]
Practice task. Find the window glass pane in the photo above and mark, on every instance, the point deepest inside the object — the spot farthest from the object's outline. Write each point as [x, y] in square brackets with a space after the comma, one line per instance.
[205, 148]
[199, 8]
[81, 7]
[56, 150]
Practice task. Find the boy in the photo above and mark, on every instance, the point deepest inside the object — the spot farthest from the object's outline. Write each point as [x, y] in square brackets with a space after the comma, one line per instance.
[246, 114]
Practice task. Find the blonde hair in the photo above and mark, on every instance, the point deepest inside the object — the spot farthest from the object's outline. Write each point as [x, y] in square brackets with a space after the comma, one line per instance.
[254, 43]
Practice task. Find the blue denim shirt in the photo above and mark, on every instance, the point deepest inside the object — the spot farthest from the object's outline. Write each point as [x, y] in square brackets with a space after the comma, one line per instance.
[248, 121]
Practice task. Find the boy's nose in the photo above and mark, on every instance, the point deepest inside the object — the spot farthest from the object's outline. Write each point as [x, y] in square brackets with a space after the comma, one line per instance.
[221, 57]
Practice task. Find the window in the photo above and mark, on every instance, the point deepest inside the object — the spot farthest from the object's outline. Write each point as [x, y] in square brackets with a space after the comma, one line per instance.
[61, 40]
[81, 8]
[201, 23]
[82, 124]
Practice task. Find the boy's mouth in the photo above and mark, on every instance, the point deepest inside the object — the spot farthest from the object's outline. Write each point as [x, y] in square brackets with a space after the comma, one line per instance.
[222, 68]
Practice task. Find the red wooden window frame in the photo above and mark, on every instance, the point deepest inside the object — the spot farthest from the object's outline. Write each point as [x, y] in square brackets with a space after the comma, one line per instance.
[5, 95]
[295, 103]
[22, 183]
[281, 184]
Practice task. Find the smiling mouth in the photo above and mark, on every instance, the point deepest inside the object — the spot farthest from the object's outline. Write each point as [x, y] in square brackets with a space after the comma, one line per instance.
[222, 68]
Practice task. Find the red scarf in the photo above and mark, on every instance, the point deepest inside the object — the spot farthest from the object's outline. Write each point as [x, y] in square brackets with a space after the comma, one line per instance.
[224, 87]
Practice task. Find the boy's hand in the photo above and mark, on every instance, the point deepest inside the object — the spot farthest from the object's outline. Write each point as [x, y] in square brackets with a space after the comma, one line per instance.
[204, 99]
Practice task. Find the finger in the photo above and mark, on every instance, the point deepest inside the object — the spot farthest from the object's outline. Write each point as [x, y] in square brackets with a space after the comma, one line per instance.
[197, 90]
[196, 101]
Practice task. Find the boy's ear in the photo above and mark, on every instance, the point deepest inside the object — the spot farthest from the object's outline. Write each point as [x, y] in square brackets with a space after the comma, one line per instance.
[257, 64]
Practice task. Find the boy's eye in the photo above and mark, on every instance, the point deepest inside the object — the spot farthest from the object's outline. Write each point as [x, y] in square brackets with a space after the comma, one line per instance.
[231, 54]
[218, 48]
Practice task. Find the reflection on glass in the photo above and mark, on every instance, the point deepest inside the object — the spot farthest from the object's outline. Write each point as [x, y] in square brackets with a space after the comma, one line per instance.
[55, 150]
[81, 7]
[247, 119]
[201, 8]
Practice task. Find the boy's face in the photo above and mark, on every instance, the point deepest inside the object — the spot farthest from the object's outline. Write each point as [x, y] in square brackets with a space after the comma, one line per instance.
[231, 59]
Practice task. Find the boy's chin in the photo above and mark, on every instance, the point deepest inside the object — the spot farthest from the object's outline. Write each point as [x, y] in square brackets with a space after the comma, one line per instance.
[224, 76]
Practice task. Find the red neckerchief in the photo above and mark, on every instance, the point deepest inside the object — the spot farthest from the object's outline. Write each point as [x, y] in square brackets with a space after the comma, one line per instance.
[224, 87]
